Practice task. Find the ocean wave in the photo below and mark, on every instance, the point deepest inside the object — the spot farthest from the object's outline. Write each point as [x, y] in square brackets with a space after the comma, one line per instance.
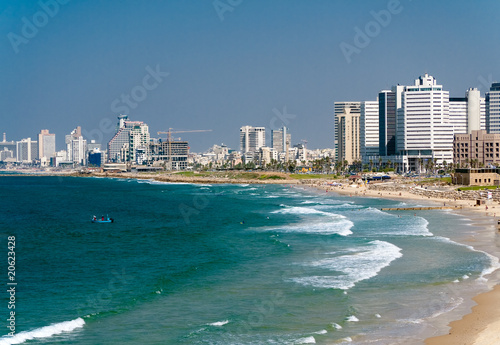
[494, 261]
[43, 332]
[352, 318]
[218, 323]
[300, 210]
[307, 340]
[336, 225]
[364, 264]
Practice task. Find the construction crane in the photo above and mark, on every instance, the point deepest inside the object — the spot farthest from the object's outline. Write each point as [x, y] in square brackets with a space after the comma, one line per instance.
[169, 140]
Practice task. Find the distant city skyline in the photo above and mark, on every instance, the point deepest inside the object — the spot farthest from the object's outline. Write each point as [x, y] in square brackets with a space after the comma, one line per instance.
[193, 65]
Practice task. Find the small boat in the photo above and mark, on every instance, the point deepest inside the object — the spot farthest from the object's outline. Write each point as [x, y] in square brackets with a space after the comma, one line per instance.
[102, 219]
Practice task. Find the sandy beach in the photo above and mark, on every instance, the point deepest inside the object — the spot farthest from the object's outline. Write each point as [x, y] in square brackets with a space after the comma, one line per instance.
[480, 326]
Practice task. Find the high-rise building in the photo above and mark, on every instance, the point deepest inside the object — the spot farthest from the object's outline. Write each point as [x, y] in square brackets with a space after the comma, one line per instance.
[369, 128]
[423, 128]
[174, 153]
[76, 147]
[354, 109]
[468, 113]
[26, 151]
[281, 139]
[493, 109]
[46, 144]
[130, 136]
[252, 138]
[348, 136]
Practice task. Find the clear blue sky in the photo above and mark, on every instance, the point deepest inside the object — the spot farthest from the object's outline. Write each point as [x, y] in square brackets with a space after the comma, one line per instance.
[68, 65]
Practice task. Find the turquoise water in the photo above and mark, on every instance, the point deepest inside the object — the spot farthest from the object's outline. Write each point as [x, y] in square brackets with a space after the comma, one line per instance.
[224, 264]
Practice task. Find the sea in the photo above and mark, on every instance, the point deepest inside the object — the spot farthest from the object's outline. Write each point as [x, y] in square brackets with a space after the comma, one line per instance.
[229, 264]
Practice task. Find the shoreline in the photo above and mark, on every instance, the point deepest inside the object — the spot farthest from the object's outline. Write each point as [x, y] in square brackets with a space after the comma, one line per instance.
[479, 314]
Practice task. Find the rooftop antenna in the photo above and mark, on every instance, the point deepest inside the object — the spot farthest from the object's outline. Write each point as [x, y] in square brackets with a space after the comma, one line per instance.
[4, 137]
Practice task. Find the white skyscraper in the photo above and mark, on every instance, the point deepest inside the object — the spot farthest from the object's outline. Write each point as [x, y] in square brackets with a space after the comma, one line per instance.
[46, 144]
[252, 138]
[423, 127]
[369, 129]
[281, 139]
[76, 147]
[130, 137]
[468, 113]
[26, 150]
[493, 109]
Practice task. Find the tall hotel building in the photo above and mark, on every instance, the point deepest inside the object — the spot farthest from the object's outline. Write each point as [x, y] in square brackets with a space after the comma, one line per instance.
[423, 128]
[468, 113]
[347, 133]
[354, 110]
[252, 138]
[369, 128]
[46, 144]
[76, 147]
[493, 109]
[281, 139]
[131, 138]
[26, 150]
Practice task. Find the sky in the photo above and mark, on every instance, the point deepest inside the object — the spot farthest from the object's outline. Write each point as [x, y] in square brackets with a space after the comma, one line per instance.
[223, 64]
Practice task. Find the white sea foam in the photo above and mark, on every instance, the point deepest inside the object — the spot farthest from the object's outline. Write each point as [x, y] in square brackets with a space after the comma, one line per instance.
[378, 316]
[346, 339]
[307, 340]
[219, 323]
[406, 226]
[352, 318]
[336, 326]
[316, 224]
[43, 332]
[364, 264]
[323, 331]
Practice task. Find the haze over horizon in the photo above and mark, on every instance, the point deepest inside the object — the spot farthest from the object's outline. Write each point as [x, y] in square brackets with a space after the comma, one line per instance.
[227, 63]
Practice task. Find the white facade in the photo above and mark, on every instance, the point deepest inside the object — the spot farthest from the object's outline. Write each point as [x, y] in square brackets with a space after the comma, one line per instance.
[132, 138]
[469, 113]
[252, 138]
[46, 144]
[79, 151]
[423, 127]
[369, 128]
[26, 150]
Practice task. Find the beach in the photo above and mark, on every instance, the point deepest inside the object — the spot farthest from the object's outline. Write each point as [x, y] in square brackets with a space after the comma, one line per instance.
[480, 325]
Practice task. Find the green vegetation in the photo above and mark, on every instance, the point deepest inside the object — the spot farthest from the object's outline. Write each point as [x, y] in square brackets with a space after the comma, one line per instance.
[310, 176]
[477, 188]
[271, 177]
[446, 180]
[193, 173]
